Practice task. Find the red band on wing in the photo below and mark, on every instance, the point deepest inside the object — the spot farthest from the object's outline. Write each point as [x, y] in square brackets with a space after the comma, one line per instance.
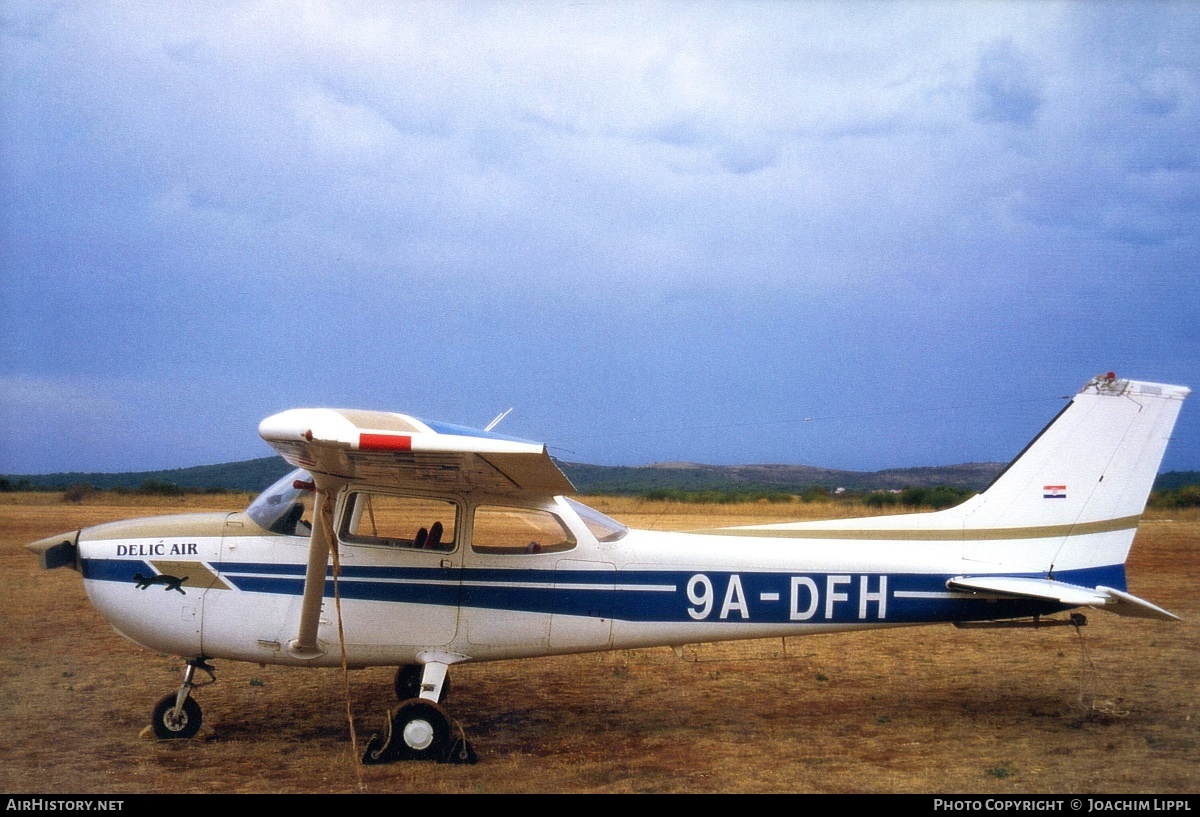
[384, 442]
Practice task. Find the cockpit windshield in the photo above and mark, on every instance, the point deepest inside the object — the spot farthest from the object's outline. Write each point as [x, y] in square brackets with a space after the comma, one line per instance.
[604, 528]
[284, 507]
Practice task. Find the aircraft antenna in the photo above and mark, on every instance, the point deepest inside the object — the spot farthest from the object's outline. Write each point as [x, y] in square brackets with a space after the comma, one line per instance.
[496, 421]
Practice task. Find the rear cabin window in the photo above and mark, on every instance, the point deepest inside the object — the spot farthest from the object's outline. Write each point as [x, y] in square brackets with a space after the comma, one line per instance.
[417, 523]
[502, 530]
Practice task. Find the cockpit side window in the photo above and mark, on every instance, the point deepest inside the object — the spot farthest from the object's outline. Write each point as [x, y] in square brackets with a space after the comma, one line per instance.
[504, 530]
[417, 523]
[286, 507]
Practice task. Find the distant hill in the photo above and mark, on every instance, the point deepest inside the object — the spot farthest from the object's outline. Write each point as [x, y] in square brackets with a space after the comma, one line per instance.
[247, 475]
[603, 479]
[1173, 480]
[254, 475]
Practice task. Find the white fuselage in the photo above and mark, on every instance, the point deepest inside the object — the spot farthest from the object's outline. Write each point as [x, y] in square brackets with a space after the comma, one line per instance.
[222, 587]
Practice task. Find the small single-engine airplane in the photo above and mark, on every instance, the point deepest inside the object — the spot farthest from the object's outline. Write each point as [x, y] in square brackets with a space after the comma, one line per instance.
[421, 545]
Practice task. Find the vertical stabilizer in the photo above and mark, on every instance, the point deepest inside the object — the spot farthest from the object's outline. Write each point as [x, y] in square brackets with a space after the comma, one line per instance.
[1078, 489]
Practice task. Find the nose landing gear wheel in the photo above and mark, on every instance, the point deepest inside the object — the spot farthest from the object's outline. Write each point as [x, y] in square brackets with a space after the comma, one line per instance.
[170, 726]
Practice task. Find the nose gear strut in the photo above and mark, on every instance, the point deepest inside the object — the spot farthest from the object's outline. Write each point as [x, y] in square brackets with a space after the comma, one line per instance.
[178, 715]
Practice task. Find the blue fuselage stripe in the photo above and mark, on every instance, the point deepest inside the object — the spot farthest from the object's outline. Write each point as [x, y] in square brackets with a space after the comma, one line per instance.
[756, 597]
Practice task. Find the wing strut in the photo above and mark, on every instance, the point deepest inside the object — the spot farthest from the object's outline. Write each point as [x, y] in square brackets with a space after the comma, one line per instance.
[305, 644]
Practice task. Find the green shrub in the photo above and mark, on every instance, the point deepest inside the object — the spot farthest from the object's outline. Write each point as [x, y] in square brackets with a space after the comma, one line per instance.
[160, 487]
[1185, 496]
[75, 494]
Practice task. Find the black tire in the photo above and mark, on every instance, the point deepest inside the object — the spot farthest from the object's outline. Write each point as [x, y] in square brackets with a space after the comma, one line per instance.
[408, 683]
[420, 731]
[168, 728]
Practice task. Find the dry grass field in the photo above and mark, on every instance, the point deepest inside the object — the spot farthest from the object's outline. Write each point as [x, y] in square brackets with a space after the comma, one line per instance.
[932, 710]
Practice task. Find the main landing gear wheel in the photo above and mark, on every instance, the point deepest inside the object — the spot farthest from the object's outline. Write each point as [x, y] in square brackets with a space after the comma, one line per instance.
[408, 683]
[417, 730]
[168, 725]
[424, 729]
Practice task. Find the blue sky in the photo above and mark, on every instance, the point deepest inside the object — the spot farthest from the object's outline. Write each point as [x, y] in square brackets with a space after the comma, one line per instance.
[658, 231]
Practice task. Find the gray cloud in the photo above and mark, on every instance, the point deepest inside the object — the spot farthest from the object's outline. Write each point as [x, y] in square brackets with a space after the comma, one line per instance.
[618, 214]
[1006, 88]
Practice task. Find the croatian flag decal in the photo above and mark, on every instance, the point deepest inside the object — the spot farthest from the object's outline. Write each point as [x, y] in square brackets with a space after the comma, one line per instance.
[1054, 492]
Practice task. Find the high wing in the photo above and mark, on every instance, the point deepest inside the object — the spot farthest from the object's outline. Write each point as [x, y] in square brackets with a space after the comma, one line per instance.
[398, 450]
[1023, 587]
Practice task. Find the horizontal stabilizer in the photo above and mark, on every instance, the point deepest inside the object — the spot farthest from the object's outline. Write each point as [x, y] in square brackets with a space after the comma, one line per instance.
[1025, 588]
[1115, 601]
[1124, 604]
